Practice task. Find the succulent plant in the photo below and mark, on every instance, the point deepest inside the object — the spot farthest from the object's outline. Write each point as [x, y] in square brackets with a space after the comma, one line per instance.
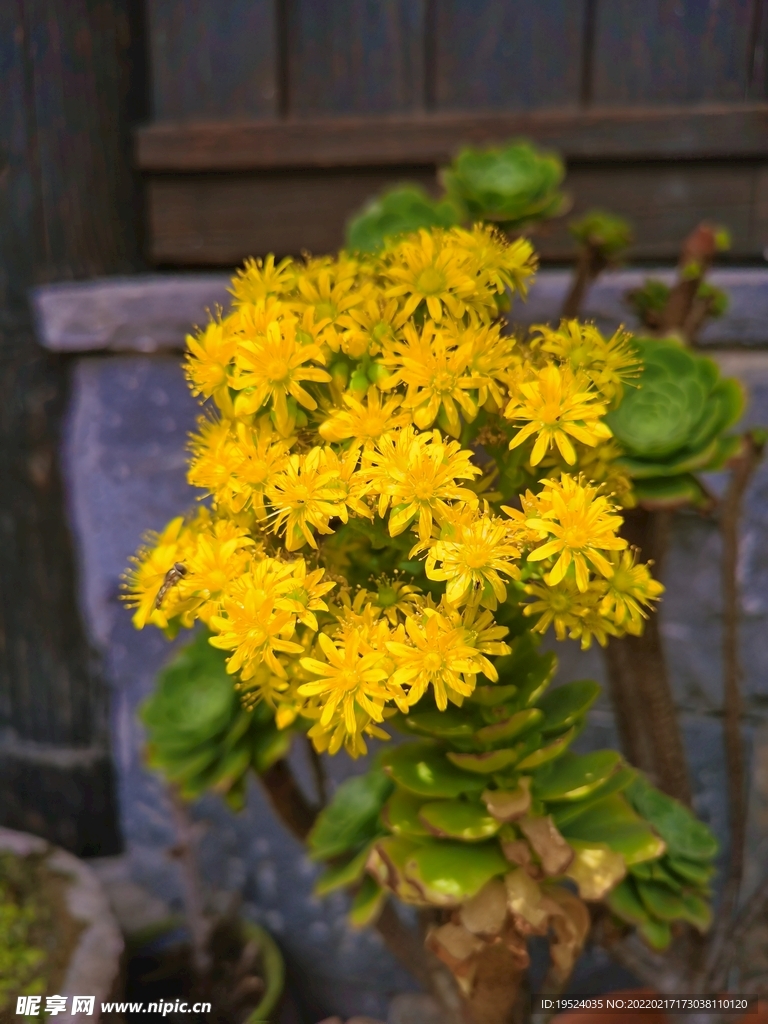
[199, 736]
[650, 301]
[400, 211]
[511, 186]
[673, 423]
[604, 232]
[489, 812]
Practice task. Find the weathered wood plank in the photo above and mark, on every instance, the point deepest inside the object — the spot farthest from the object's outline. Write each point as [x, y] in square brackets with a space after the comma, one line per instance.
[66, 210]
[217, 219]
[355, 56]
[208, 220]
[634, 134]
[212, 58]
[664, 202]
[154, 312]
[671, 51]
[508, 56]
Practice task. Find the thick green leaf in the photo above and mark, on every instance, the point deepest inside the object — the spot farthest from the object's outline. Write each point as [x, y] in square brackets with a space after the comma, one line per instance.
[352, 816]
[625, 902]
[339, 876]
[231, 767]
[453, 871]
[655, 871]
[660, 901]
[402, 210]
[693, 872]
[669, 492]
[459, 819]
[545, 754]
[614, 822]
[490, 696]
[575, 776]
[487, 763]
[401, 814]
[509, 728]
[424, 769]
[442, 724]
[684, 835]
[367, 904]
[567, 704]
[562, 813]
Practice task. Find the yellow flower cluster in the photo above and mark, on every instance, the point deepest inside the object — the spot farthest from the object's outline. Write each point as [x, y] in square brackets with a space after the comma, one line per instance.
[352, 551]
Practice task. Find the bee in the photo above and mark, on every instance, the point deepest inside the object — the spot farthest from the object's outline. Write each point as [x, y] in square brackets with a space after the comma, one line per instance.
[172, 577]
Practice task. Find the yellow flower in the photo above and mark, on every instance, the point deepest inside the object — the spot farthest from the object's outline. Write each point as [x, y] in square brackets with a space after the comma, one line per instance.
[427, 268]
[260, 279]
[431, 651]
[311, 490]
[304, 597]
[582, 525]
[148, 572]
[416, 474]
[572, 612]
[368, 327]
[364, 423]
[209, 358]
[218, 558]
[491, 356]
[213, 461]
[349, 677]
[556, 404]
[500, 264]
[396, 599]
[434, 371]
[474, 553]
[272, 367]
[629, 590]
[608, 362]
[251, 625]
[331, 289]
[259, 454]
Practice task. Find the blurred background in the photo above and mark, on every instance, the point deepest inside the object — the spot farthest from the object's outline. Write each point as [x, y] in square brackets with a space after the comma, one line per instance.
[157, 143]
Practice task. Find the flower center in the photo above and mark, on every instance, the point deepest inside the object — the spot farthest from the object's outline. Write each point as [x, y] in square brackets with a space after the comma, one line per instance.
[431, 281]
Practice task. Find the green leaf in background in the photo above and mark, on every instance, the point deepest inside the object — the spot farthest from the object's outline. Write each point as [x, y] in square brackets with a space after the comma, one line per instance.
[608, 234]
[511, 186]
[684, 834]
[452, 871]
[401, 814]
[352, 816]
[367, 904]
[625, 902]
[615, 822]
[565, 705]
[400, 211]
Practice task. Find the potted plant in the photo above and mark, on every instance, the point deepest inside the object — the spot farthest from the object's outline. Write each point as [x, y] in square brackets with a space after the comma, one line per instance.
[60, 946]
[401, 499]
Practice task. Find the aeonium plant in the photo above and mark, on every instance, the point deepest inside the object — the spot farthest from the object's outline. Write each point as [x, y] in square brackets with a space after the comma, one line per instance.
[398, 499]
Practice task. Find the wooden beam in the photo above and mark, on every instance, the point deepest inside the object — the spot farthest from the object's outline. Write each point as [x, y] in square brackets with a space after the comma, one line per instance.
[711, 132]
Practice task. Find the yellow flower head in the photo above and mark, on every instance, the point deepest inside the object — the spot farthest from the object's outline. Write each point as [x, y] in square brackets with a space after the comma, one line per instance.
[473, 554]
[608, 362]
[500, 264]
[555, 404]
[364, 420]
[149, 569]
[416, 474]
[581, 523]
[331, 289]
[251, 624]
[434, 370]
[209, 358]
[262, 278]
[428, 268]
[349, 677]
[628, 592]
[272, 367]
[573, 613]
[216, 558]
[369, 327]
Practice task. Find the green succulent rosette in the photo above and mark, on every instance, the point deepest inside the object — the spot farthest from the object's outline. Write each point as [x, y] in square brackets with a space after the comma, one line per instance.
[199, 737]
[489, 803]
[400, 211]
[673, 424]
[608, 234]
[512, 186]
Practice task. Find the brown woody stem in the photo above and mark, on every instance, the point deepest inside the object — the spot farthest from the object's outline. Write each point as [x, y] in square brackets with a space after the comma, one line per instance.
[589, 265]
[640, 688]
[191, 883]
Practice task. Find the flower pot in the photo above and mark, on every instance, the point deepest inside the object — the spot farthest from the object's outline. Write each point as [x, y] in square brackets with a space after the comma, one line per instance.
[83, 944]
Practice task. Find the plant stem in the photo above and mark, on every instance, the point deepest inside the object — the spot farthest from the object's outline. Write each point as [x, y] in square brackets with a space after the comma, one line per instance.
[590, 263]
[192, 886]
[318, 771]
[742, 469]
[637, 670]
[287, 799]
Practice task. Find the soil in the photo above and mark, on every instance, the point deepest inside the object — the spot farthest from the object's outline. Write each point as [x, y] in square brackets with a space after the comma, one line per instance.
[53, 930]
[162, 970]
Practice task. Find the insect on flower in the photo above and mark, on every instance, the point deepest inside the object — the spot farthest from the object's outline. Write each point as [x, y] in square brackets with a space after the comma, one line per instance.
[175, 573]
